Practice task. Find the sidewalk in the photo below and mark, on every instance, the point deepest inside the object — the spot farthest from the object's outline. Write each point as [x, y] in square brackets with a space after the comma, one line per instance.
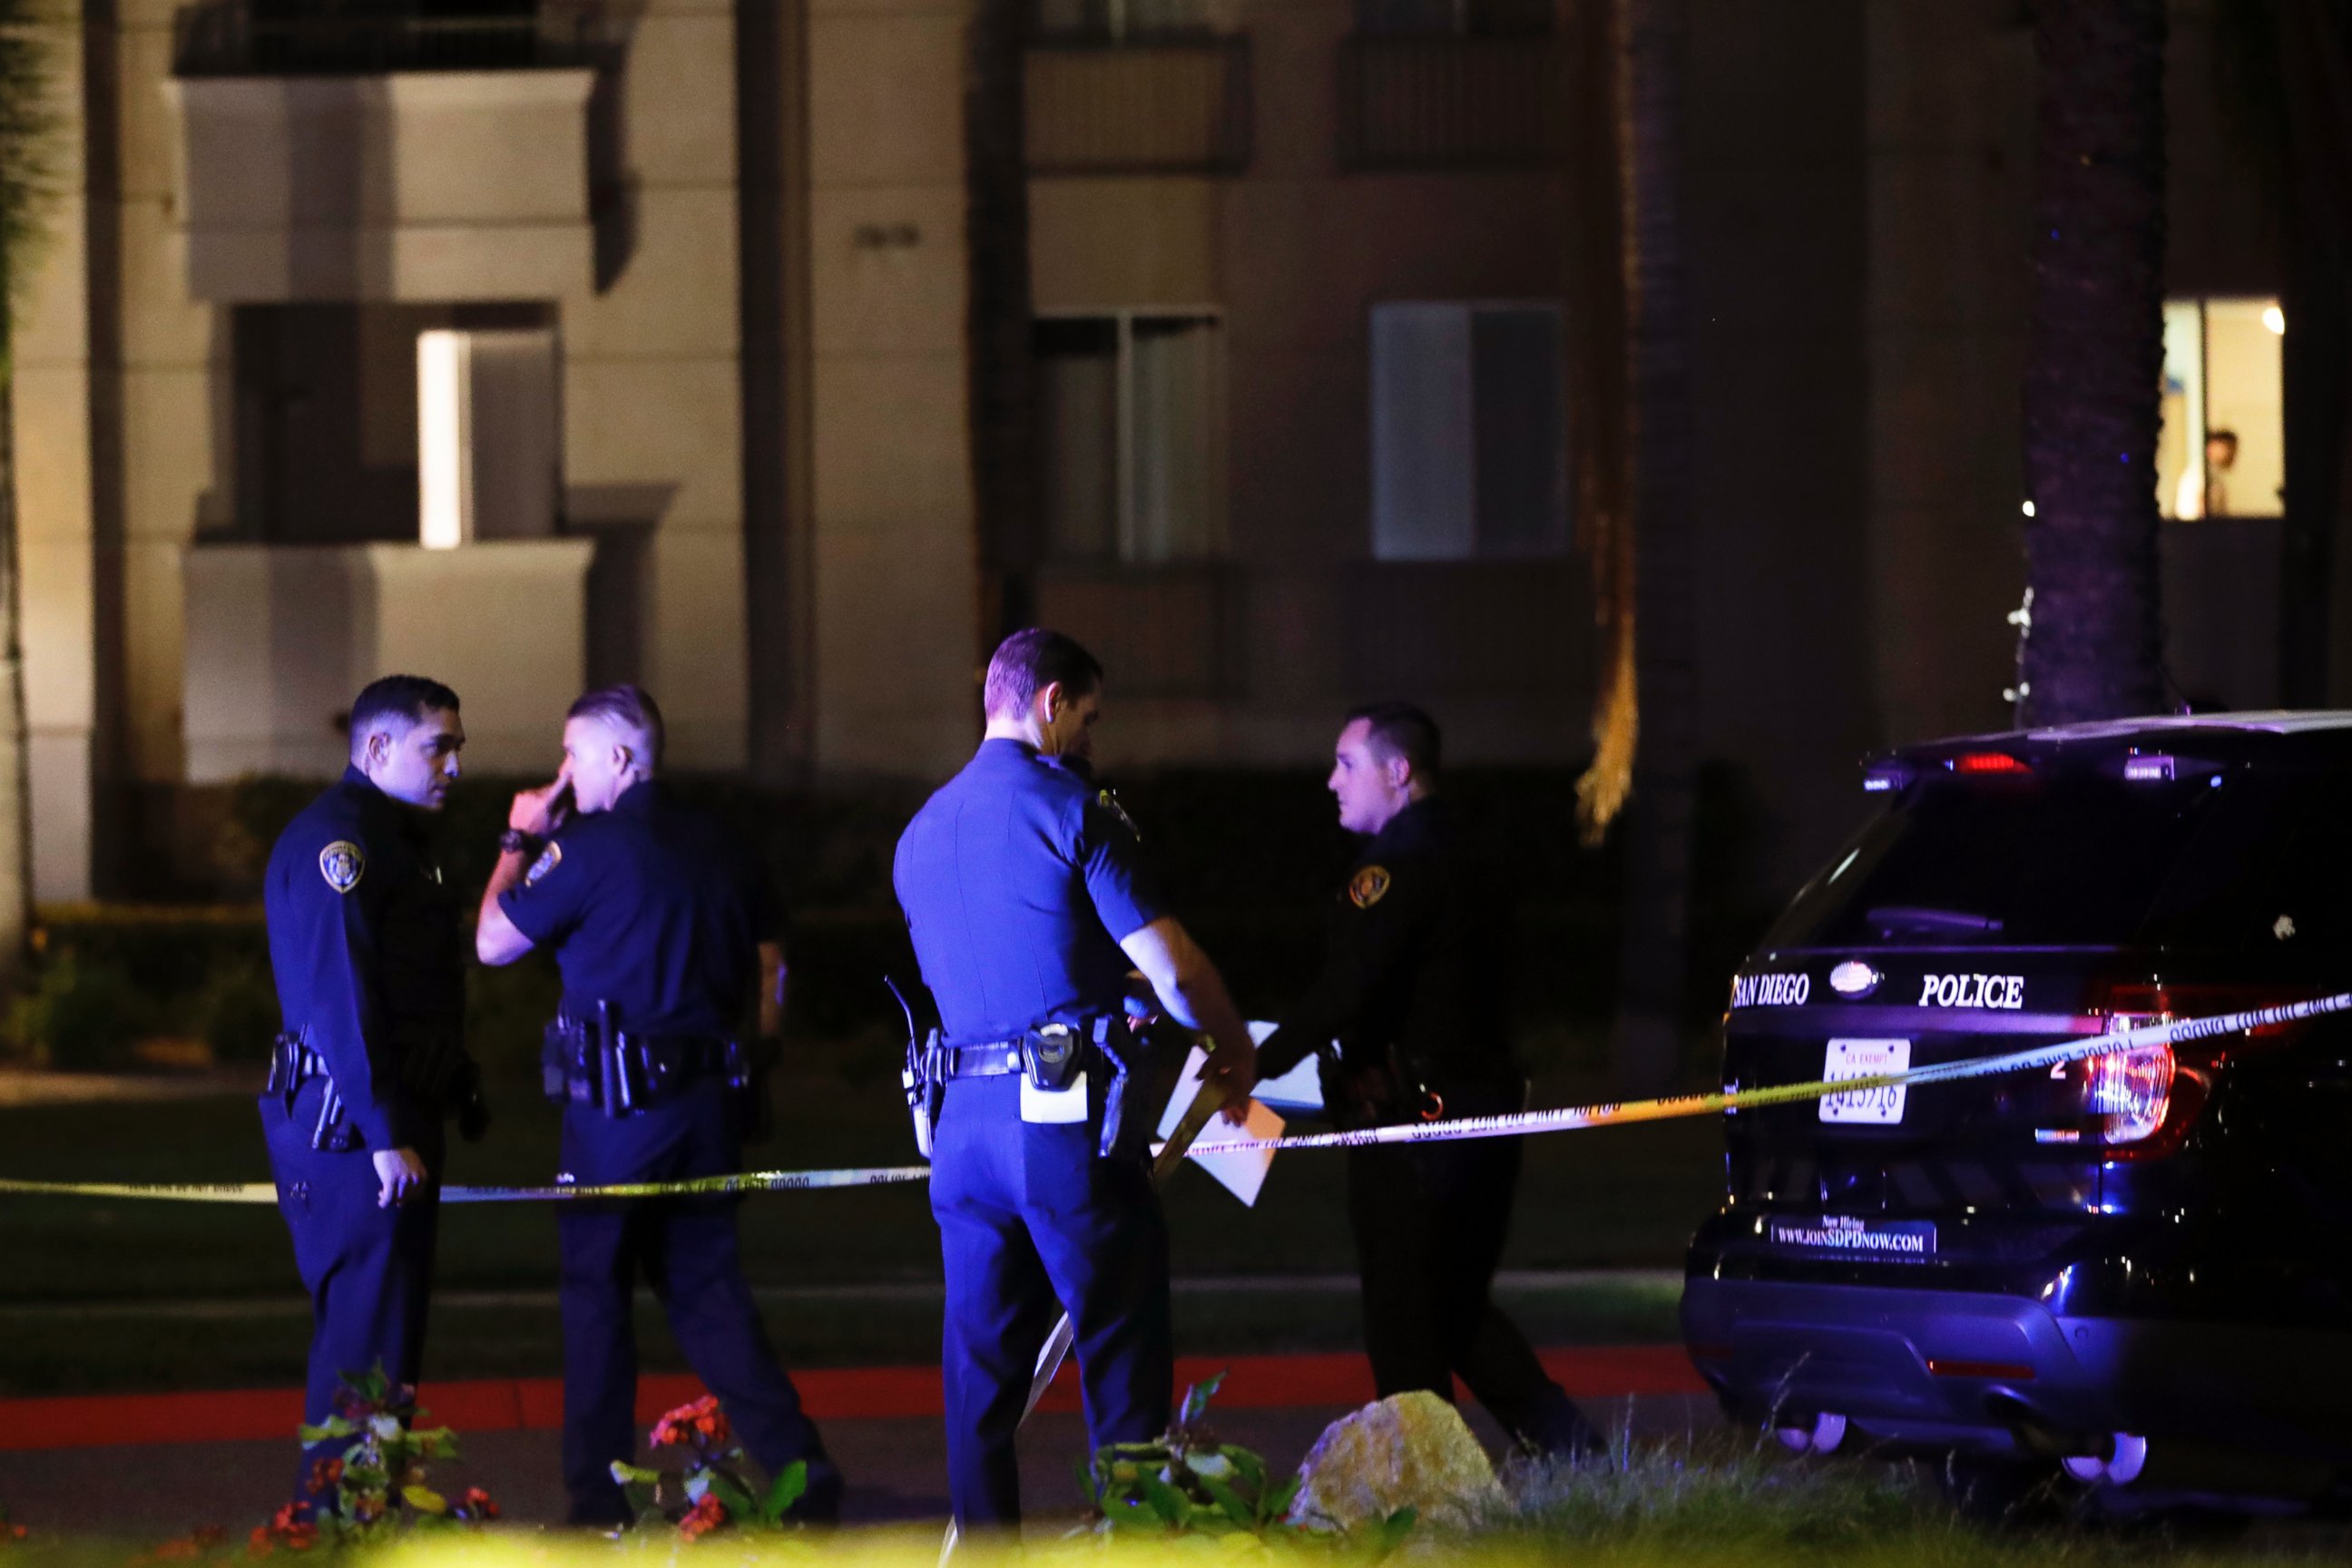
[168, 1463]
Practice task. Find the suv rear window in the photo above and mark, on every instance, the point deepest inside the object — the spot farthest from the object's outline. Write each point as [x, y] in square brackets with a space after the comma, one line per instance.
[2066, 856]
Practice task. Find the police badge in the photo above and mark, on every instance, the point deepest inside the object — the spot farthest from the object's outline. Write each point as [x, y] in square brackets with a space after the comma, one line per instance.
[549, 859]
[342, 863]
[1368, 886]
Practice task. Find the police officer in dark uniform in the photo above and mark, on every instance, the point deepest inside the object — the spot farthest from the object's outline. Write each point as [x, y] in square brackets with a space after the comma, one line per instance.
[1408, 1014]
[662, 932]
[1028, 905]
[368, 949]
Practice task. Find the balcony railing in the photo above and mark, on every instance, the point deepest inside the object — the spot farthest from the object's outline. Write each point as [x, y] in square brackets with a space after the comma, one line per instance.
[1160, 106]
[227, 38]
[1453, 103]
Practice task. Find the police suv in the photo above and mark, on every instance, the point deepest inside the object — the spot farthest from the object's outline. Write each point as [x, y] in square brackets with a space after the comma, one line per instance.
[2136, 1269]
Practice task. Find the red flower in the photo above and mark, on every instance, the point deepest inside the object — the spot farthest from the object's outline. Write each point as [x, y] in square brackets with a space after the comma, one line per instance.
[478, 1504]
[703, 1518]
[701, 1419]
[326, 1475]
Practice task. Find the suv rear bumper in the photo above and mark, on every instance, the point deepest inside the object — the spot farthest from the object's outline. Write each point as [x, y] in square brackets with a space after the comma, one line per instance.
[1997, 1373]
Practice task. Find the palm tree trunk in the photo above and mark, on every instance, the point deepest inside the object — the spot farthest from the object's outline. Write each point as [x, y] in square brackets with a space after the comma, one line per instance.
[997, 322]
[2092, 388]
[1655, 963]
[15, 801]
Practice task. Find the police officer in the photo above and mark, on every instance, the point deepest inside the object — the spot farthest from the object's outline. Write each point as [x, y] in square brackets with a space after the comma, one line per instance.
[1027, 903]
[662, 933]
[1408, 1014]
[368, 949]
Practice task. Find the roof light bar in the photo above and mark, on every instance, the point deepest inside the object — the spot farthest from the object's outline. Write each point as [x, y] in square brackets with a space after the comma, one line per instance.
[1985, 762]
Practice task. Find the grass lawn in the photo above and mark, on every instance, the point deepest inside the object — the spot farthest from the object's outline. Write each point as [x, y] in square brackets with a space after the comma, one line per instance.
[1617, 1198]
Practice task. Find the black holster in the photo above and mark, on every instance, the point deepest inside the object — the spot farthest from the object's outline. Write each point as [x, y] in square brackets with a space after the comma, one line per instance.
[594, 1062]
[924, 1080]
[1144, 1058]
[293, 1063]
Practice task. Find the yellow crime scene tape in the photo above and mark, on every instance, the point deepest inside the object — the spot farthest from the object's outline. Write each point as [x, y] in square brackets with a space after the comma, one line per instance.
[1516, 1125]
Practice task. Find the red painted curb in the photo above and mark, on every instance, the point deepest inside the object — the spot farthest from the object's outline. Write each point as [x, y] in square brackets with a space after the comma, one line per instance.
[837, 1394]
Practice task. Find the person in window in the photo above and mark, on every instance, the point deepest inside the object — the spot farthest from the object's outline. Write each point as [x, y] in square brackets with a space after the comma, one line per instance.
[2205, 490]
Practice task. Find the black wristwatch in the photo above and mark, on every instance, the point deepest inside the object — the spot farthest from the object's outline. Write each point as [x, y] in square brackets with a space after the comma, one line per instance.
[515, 841]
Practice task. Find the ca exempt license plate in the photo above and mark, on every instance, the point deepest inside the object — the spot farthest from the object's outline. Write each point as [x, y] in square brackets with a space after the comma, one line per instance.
[1882, 1106]
[1847, 1237]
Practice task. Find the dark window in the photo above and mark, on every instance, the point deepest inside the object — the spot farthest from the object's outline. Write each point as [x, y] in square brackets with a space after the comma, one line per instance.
[1426, 18]
[326, 415]
[1468, 432]
[1131, 418]
[2069, 857]
[1120, 19]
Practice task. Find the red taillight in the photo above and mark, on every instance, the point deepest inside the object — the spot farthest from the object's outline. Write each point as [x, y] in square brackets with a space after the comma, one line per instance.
[2140, 1103]
[1987, 762]
[2130, 1091]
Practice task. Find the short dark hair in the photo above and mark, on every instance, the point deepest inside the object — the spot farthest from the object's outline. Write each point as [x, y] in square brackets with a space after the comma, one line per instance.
[629, 708]
[2222, 434]
[1030, 660]
[404, 698]
[1401, 730]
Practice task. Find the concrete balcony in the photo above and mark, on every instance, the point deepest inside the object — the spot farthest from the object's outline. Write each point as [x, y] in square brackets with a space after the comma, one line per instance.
[1147, 106]
[280, 636]
[1451, 102]
[315, 165]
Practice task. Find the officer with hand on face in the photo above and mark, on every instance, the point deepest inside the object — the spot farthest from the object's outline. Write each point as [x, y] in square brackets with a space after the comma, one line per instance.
[1409, 1017]
[1027, 903]
[368, 949]
[663, 934]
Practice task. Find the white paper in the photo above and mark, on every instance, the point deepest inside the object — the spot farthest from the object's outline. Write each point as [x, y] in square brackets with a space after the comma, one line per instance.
[1240, 1172]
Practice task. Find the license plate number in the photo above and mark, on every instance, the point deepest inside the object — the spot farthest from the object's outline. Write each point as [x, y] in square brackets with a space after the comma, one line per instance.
[1882, 1106]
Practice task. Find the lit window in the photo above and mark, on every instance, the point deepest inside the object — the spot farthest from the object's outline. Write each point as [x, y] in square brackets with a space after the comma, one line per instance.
[1469, 451]
[2222, 452]
[1130, 436]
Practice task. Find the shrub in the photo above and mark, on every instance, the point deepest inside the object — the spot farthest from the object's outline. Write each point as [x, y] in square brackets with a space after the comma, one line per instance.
[81, 1013]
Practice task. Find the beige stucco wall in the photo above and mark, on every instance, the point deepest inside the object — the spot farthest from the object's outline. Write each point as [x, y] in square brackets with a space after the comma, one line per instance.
[891, 545]
[56, 506]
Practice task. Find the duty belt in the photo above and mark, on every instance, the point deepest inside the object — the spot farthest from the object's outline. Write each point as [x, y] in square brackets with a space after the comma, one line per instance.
[622, 1071]
[989, 1059]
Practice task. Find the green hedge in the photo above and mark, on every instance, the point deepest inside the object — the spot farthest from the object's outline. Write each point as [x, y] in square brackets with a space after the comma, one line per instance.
[1250, 859]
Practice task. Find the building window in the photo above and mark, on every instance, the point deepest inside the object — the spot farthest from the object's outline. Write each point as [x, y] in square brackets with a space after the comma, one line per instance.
[1130, 436]
[1439, 18]
[328, 426]
[1120, 20]
[2222, 452]
[1469, 445]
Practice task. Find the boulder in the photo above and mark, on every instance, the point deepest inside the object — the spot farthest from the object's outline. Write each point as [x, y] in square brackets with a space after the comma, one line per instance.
[1410, 1450]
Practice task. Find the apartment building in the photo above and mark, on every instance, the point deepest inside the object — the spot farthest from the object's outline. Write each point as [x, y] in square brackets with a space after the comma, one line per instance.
[532, 342]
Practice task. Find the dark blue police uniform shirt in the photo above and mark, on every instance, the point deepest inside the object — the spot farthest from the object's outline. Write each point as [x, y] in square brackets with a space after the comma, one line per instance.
[653, 907]
[367, 948]
[1019, 884]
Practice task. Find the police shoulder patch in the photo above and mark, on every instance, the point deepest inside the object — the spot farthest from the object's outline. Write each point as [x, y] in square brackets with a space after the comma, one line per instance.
[549, 859]
[1368, 886]
[342, 864]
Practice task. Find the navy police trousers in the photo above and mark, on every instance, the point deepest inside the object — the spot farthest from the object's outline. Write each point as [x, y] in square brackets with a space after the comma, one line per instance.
[369, 1270]
[1430, 1223]
[1031, 1218]
[686, 1249]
